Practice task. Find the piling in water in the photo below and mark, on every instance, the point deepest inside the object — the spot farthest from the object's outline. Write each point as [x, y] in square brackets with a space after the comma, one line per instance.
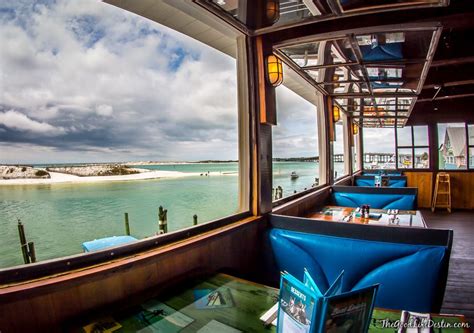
[27, 249]
[31, 251]
[162, 220]
[23, 245]
[195, 219]
[127, 225]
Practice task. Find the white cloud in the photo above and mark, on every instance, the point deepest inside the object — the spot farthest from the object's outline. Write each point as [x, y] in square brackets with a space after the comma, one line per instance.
[104, 110]
[19, 121]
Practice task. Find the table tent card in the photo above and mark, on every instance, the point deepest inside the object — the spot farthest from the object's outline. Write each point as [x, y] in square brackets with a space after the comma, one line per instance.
[303, 308]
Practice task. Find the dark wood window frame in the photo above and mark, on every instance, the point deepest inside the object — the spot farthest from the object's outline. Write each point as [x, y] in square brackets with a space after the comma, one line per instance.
[413, 147]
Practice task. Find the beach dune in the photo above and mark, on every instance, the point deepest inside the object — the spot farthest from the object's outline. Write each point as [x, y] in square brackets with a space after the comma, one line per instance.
[59, 178]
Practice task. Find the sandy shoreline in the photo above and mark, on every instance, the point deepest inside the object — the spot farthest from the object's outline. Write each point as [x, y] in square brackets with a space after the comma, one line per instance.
[62, 178]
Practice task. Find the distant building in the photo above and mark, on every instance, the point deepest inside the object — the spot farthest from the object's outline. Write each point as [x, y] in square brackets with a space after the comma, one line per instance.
[453, 149]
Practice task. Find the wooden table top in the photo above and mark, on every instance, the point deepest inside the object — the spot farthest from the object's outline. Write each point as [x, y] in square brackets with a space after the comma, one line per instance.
[407, 218]
[183, 310]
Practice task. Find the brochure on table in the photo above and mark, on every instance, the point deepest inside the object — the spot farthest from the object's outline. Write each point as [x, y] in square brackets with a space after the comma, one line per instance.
[305, 309]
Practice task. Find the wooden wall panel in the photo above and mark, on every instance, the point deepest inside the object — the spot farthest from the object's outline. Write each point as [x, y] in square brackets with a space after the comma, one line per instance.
[462, 188]
[45, 305]
[424, 182]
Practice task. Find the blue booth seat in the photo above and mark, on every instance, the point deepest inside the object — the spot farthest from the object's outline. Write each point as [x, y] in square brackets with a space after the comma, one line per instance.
[393, 181]
[376, 197]
[411, 276]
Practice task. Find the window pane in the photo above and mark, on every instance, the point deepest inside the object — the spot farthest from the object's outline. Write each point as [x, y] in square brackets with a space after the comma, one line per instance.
[404, 136]
[295, 145]
[452, 146]
[105, 85]
[355, 154]
[471, 134]
[422, 158]
[471, 158]
[338, 148]
[379, 148]
[420, 135]
[405, 158]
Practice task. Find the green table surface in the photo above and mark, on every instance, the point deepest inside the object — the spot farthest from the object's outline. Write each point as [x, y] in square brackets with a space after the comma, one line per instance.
[249, 301]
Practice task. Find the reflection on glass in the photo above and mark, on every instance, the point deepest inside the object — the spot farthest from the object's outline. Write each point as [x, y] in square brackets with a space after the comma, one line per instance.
[405, 158]
[404, 136]
[420, 135]
[422, 158]
[470, 129]
[365, 5]
[452, 146]
[338, 149]
[293, 11]
[303, 55]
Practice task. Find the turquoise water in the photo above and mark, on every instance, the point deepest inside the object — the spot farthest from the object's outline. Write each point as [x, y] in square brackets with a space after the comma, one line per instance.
[59, 217]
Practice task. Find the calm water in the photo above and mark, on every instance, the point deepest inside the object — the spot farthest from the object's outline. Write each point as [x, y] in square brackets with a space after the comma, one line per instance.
[59, 217]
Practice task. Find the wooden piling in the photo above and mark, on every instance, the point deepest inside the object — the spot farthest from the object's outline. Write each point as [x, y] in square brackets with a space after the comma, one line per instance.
[162, 220]
[24, 246]
[31, 251]
[195, 219]
[127, 225]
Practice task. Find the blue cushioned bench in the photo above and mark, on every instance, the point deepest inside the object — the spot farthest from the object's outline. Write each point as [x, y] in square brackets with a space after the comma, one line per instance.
[403, 198]
[393, 181]
[410, 264]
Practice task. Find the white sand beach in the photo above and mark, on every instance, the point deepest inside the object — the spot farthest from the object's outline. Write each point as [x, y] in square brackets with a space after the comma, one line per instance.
[62, 178]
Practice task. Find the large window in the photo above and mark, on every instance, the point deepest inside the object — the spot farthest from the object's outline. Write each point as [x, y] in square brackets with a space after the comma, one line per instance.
[452, 144]
[413, 147]
[379, 148]
[108, 113]
[338, 150]
[295, 145]
[355, 147]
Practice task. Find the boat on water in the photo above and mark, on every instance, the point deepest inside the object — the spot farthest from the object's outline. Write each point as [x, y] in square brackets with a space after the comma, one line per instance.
[362, 65]
[294, 175]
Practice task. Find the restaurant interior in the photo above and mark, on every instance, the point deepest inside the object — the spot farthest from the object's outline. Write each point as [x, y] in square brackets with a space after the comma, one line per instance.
[405, 225]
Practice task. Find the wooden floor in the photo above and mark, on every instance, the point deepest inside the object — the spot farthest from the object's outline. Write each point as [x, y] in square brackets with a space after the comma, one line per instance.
[459, 296]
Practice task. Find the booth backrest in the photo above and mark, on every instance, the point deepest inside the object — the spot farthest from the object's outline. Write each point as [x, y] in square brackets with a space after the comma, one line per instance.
[376, 197]
[393, 181]
[409, 264]
[381, 172]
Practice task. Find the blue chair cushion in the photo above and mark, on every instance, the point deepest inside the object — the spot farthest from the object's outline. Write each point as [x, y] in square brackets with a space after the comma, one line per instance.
[407, 273]
[103, 243]
[375, 200]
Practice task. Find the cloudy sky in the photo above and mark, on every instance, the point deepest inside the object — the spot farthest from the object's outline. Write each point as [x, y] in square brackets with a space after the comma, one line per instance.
[83, 81]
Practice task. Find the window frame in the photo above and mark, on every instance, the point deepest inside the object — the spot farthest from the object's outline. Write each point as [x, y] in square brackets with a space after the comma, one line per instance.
[468, 146]
[413, 147]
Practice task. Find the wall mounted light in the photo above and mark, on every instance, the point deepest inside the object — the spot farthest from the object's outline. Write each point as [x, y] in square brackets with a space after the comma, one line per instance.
[335, 78]
[272, 11]
[336, 114]
[355, 129]
[274, 70]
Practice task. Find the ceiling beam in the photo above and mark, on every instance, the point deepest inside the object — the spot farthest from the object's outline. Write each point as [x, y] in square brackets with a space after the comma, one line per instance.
[449, 84]
[440, 98]
[376, 95]
[454, 61]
